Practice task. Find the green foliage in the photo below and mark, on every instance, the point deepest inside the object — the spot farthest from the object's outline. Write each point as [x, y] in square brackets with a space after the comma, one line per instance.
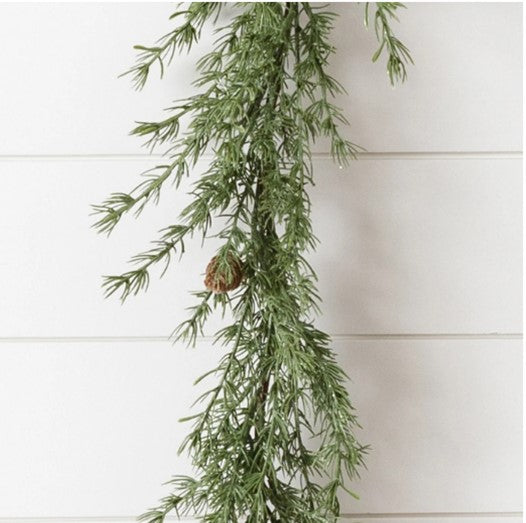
[397, 53]
[274, 440]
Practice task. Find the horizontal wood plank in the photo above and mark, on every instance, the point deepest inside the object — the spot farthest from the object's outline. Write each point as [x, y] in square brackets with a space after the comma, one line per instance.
[406, 246]
[63, 95]
[91, 429]
[385, 518]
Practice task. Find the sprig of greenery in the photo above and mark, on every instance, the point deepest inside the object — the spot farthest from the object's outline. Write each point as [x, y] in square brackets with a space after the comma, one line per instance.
[131, 282]
[398, 55]
[118, 204]
[181, 38]
[275, 439]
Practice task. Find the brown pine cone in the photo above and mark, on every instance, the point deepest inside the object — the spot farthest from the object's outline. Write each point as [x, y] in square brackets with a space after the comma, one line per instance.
[220, 282]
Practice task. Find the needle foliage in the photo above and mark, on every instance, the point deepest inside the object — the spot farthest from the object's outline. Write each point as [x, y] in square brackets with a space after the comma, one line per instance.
[274, 439]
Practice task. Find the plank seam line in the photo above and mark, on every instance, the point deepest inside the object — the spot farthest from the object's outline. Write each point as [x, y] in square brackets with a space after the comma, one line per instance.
[374, 155]
[334, 337]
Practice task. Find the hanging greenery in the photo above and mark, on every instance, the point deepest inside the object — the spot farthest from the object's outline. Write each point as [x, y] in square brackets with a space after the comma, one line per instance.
[275, 438]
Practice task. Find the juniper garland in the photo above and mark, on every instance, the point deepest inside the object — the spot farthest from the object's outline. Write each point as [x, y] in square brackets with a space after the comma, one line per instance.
[275, 438]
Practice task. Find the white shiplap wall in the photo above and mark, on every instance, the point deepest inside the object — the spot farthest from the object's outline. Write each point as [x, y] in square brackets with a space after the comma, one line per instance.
[420, 267]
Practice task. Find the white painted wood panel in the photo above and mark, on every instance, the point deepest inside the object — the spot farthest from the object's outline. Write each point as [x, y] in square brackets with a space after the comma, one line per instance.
[89, 429]
[384, 518]
[464, 92]
[60, 93]
[407, 246]
[446, 518]
[418, 244]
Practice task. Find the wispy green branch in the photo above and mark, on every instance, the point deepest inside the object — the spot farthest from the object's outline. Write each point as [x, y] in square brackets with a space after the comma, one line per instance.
[398, 55]
[274, 440]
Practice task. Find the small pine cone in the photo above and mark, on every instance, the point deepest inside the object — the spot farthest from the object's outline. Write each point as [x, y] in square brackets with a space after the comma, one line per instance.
[220, 282]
